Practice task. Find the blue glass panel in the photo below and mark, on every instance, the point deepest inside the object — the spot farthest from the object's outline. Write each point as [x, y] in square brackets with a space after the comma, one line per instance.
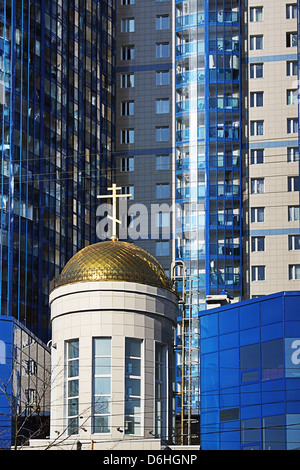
[270, 332]
[271, 311]
[209, 325]
[229, 321]
[250, 394]
[209, 372]
[249, 336]
[250, 315]
[229, 368]
[209, 345]
[229, 341]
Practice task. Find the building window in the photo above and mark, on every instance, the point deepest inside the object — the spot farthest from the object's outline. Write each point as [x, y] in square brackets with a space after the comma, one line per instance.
[128, 190]
[127, 2]
[162, 50]
[291, 39]
[257, 214]
[162, 22]
[256, 43]
[127, 108]
[257, 186]
[272, 360]
[293, 154]
[294, 272]
[292, 97]
[162, 191]
[127, 25]
[127, 80]
[162, 162]
[160, 391]
[292, 126]
[258, 273]
[292, 68]
[256, 14]
[163, 219]
[162, 248]
[127, 52]
[256, 128]
[293, 213]
[133, 386]
[274, 430]
[127, 164]
[256, 99]
[162, 106]
[72, 350]
[162, 134]
[291, 11]
[230, 414]
[250, 363]
[257, 244]
[257, 156]
[101, 385]
[294, 242]
[127, 136]
[162, 77]
[293, 183]
[256, 70]
[250, 433]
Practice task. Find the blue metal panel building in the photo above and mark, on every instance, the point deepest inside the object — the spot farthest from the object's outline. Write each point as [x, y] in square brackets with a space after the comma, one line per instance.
[250, 374]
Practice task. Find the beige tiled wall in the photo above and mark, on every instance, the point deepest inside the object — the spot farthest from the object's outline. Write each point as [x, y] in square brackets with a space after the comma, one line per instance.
[275, 170]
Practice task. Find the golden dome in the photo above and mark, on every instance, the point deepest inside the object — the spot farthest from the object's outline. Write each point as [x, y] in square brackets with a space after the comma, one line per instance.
[113, 261]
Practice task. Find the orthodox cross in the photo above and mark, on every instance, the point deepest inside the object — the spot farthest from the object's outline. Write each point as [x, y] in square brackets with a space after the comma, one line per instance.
[114, 197]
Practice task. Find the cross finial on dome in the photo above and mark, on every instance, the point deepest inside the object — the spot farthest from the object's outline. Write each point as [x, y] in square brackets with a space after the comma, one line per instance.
[114, 219]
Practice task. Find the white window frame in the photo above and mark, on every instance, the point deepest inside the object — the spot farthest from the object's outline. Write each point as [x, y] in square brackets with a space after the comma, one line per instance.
[256, 14]
[256, 273]
[294, 272]
[127, 25]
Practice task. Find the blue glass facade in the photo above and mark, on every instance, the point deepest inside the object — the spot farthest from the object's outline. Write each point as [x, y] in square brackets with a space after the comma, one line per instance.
[250, 374]
[57, 117]
[208, 166]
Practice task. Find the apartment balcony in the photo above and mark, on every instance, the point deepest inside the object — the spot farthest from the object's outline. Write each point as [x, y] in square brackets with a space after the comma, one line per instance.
[224, 161]
[190, 253]
[186, 21]
[226, 190]
[188, 48]
[226, 220]
[225, 280]
[184, 164]
[185, 106]
[224, 103]
[185, 135]
[224, 249]
[190, 192]
[226, 132]
[227, 17]
[224, 45]
[224, 74]
[183, 78]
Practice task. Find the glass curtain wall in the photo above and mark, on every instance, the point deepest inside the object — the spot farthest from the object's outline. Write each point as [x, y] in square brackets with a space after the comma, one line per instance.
[57, 118]
[208, 173]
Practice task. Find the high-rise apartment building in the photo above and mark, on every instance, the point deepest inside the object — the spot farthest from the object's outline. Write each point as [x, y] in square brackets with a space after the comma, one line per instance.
[144, 140]
[271, 149]
[57, 65]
